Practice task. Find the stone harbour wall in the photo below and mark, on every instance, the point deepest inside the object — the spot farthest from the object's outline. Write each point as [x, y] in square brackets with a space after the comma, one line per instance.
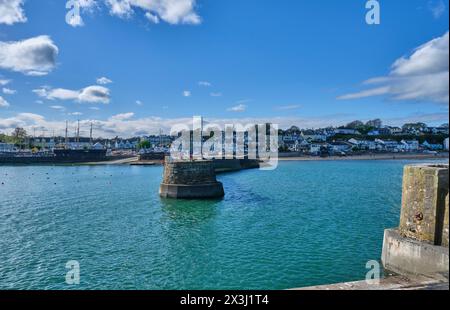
[189, 173]
[420, 245]
[190, 180]
[425, 188]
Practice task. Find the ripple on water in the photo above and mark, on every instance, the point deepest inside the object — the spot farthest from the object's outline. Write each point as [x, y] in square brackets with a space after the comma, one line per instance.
[306, 223]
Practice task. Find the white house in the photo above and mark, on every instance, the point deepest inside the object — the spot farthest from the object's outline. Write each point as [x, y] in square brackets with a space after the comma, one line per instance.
[364, 144]
[314, 136]
[395, 130]
[98, 146]
[315, 148]
[388, 145]
[373, 133]
[410, 145]
[339, 147]
[125, 145]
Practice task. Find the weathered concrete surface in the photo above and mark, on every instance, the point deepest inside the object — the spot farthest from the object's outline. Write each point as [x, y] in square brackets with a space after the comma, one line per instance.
[423, 202]
[407, 256]
[445, 230]
[190, 180]
[435, 282]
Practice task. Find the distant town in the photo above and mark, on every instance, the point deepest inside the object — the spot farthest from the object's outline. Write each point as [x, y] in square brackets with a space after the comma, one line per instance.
[355, 138]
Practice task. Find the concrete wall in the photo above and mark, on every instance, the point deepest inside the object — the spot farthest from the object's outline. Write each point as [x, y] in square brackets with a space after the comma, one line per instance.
[411, 257]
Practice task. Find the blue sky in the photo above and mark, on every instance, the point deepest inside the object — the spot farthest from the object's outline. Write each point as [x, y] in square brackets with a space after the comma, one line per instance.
[292, 62]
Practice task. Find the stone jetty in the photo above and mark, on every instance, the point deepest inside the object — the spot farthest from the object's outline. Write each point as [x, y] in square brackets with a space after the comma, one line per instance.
[190, 180]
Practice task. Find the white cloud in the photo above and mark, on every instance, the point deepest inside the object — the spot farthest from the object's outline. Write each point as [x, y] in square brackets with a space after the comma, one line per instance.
[4, 82]
[94, 108]
[289, 107]
[95, 94]
[238, 108]
[90, 94]
[8, 91]
[437, 8]
[3, 103]
[204, 84]
[11, 12]
[152, 18]
[104, 81]
[139, 102]
[170, 11]
[421, 76]
[122, 117]
[215, 94]
[57, 107]
[366, 93]
[127, 125]
[121, 8]
[75, 114]
[187, 93]
[35, 56]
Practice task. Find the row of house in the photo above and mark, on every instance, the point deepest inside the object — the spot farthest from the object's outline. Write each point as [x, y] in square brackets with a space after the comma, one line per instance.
[427, 130]
[322, 135]
[355, 145]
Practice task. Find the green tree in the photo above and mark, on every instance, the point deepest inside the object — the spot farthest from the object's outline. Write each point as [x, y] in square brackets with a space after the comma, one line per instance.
[144, 145]
[355, 125]
[416, 126]
[376, 123]
[19, 136]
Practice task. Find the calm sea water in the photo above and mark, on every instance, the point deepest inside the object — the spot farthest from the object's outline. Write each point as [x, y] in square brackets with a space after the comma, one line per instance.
[307, 223]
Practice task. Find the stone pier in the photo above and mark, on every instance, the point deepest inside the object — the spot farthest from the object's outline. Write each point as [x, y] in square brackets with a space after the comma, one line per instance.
[190, 180]
[419, 246]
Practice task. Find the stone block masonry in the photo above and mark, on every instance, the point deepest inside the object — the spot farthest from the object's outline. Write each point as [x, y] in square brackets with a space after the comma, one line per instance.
[190, 180]
[425, 188]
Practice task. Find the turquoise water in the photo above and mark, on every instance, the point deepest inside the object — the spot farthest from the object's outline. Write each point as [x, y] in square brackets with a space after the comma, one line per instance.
[306, 223]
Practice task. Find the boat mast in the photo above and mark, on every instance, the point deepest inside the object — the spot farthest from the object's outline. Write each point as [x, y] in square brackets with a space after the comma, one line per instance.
[91, 140]
[78, 133]
[67, 135]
